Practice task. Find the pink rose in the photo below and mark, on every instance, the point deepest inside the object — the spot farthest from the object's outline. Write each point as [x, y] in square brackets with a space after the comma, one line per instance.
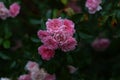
[67, 29]
[61, 36]
[4, 12]
[14, 9]
[24, 77]
[50, 77]
[32, 66]
[54, 24]
[101, 44]
[50, 42]
[69, 44]
[38, 75]
[68, 26]
[68, 23]
[93, 5]
[45, 52]
[42, 34]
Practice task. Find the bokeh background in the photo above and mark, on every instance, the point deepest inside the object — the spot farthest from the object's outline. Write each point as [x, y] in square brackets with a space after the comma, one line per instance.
[19, 41]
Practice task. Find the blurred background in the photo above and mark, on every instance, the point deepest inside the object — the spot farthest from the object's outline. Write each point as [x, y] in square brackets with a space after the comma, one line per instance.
[19, 41]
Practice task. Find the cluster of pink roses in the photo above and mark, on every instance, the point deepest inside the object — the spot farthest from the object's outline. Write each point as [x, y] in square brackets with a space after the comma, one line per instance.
[13, 10]
[93, 5]
[35, 73]
[59, 35]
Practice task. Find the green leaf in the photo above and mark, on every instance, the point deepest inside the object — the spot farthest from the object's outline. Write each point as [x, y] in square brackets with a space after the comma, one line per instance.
[55, 11]
[4, 56]
[70, 11]
[64, 1]
[1, 40]
[42, 24]
[13, 64]
[69, 59]
[36, 40]
[85, 36]
[8, 33]
[48, 14]
[6, 44]
[34, 21]
[118, 14]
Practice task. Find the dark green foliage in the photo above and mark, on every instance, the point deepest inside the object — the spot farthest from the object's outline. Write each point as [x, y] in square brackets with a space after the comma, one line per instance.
[19, 41]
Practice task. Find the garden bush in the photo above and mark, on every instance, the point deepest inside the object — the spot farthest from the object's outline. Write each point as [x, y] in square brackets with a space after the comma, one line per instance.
[60, 39]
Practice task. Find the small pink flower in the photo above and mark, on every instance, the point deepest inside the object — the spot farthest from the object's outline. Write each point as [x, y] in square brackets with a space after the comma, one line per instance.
[38, 75]
[42, 34]
[54, 24]
[32, 66]
[14, 9]
[68, 26]
[50, 42]
[58, 24]
[101, 44]
[69, 44]
[35, 75]
[68, 29]
[68, 23]
[45, 52]
[50, 77]
[93, 5]
[61, 36]
[72, 69]
[4, 13]
[24, 77]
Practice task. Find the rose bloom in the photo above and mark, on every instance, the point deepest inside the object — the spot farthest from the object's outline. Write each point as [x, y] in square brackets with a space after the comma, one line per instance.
[69, 26]
[32, 66]
[93, 5]
[24, 77]
[50, 77]
[69, 45]
[68, 30]
[4, 12]
[45, 52]
[61, 36]
[14, 9]
[38, 75]
[58, 24]
[43, 34]
[101, 44]
[50, 42]
[54, 24]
